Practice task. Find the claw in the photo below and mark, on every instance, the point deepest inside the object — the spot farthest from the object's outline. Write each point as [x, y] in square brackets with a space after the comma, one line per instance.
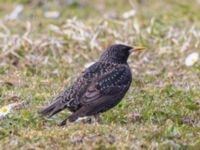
[64, 122]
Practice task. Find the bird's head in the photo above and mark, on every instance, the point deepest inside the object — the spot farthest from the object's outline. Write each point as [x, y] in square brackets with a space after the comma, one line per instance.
[118, 53]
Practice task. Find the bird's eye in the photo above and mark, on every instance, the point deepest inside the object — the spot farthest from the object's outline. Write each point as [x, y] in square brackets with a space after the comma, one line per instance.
[121, 54]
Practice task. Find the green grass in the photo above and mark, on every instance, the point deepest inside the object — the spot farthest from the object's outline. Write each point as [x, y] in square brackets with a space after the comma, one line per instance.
[161, 109]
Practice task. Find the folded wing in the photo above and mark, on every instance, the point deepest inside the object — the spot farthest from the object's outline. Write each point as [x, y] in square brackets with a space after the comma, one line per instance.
[111, 85]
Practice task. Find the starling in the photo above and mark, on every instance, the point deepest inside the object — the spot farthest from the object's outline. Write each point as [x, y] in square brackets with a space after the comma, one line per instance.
[99, 88]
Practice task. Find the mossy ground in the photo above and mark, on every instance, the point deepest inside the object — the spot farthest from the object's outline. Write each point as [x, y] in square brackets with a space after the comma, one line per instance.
[40, 57]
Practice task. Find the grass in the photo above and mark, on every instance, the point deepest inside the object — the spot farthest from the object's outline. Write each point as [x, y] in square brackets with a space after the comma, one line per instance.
[40, 57]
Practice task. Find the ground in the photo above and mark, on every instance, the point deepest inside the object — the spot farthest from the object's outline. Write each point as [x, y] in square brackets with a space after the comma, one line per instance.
[40, 57]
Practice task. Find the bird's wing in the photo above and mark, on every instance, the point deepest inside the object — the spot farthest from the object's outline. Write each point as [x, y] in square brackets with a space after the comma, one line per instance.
[70, 97]
[110, 85]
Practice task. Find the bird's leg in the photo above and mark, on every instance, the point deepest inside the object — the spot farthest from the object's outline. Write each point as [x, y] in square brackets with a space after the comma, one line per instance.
[85, 119]
[64, 122]
[71, 118]
[88, 120]
[97, 118]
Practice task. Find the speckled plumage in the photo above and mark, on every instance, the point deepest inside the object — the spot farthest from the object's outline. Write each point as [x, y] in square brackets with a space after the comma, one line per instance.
[99, 88]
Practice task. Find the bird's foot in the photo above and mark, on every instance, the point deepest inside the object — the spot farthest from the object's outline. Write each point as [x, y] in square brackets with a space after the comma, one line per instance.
[88, 120]
[63, 123]
[97, 118]
[85, 119]
[81, 119]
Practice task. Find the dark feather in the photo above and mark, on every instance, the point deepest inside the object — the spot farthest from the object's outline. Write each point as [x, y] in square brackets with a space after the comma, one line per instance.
[110, 84]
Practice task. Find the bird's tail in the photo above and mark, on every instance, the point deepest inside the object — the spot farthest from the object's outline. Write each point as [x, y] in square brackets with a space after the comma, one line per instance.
[53, 108]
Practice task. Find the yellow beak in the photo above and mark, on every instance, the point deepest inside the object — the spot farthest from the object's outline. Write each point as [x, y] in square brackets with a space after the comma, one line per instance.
[138, 48]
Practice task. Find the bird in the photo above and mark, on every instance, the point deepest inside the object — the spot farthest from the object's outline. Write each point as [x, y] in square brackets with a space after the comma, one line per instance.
[99, 88]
